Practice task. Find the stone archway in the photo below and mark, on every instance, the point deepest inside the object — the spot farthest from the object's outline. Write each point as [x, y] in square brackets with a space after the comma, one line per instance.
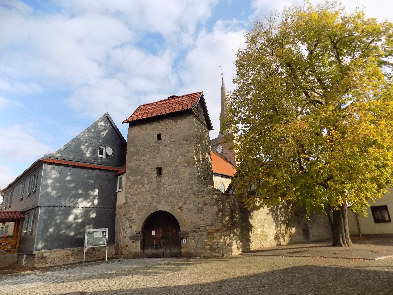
[160, 235]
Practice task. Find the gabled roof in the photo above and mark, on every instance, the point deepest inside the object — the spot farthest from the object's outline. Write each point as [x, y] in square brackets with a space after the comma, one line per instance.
[222, 166]
[173, 104]
[114, 126]
[10, 216]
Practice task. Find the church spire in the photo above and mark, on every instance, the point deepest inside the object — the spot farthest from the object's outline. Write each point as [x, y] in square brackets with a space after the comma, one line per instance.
[224, 105]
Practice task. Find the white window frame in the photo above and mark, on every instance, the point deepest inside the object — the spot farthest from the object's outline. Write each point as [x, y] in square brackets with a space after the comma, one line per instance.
[22, 194]
[30, 224]
[101, 151]
[25, 223]
[119, 186]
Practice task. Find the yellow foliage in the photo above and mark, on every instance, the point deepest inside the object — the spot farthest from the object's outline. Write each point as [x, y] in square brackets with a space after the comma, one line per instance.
[313, 109]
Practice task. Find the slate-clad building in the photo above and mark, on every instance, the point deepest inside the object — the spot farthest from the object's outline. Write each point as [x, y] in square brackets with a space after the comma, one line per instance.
[69, 190]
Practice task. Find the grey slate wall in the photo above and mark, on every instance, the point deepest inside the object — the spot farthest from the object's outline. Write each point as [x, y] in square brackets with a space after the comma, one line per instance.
[64, 227]
[77, 187]
[73, 199]
[21, 200]
[84, 147]
[27, 203]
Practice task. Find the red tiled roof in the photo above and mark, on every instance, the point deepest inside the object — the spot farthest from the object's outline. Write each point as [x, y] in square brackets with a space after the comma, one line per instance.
[10, 216]
[122, 170]
[170, 105]
[76, 164]
[221, 166]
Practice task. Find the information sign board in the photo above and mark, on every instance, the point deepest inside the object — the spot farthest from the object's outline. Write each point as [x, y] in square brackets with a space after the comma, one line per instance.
[96, 238]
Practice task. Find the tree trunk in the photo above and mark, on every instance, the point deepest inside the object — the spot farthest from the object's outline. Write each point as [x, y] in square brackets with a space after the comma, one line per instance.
[341, 236]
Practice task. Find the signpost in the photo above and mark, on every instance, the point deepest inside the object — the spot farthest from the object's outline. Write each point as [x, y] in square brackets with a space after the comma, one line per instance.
[96, 238]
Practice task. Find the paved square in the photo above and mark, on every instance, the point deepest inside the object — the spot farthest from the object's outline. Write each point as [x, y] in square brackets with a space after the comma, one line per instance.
[255, 273]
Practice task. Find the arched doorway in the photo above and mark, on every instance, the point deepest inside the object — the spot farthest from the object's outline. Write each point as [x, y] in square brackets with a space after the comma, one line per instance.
[161, 235]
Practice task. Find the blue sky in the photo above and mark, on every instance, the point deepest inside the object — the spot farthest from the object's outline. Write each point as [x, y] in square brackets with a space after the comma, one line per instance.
[64, 63]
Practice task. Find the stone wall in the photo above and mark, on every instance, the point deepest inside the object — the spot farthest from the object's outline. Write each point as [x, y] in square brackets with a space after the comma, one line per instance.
[65, 256]
[279, 226]
[8, 260]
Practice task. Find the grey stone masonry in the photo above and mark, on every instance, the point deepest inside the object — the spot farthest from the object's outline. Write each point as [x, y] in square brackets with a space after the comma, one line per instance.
[184, 189]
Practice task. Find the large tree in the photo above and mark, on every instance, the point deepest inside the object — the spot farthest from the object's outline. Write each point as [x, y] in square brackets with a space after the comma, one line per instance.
[312, 112]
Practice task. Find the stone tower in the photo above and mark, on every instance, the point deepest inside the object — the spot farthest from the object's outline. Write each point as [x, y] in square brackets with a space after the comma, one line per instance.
[170, 207]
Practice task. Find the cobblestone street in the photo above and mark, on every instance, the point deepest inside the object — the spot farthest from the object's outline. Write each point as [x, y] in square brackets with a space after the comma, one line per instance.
[290, 270]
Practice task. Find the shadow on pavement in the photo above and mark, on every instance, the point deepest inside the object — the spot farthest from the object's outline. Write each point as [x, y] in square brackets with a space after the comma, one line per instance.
[295, 280]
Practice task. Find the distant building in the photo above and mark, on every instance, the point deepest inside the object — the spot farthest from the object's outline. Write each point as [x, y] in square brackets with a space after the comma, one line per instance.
[378, 219]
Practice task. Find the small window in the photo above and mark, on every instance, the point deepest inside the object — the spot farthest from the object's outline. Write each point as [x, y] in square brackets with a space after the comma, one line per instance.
[30, 188]
[101, 152]
[159, 171]
[221, 187]
[25, 223]
[30, 223]
[158, 136]
[119, 183]
[380, 214]
[35, 182]
[8, 200]
[22, 193]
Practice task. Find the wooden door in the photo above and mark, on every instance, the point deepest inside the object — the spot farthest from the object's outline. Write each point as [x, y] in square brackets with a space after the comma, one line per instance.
[161, 236]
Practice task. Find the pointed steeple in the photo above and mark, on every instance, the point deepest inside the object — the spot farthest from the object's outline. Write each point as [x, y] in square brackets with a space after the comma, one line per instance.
[224, 105]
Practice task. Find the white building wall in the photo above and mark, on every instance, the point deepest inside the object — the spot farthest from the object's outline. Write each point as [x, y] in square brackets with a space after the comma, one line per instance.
[367, 224]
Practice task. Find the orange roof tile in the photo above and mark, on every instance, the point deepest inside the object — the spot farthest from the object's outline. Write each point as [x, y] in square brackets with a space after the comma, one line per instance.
[170, 105]
[83, 165]
[122, 170]
[10, 216]
[221, 166]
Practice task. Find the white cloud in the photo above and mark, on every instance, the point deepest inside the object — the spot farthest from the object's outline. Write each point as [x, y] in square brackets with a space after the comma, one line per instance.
[380, 9]
[6, 176]
[202, 65]
[149, 16]
[263, 8]
[20, 88]
[108, 96]
[94, 44]
[16, 144]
